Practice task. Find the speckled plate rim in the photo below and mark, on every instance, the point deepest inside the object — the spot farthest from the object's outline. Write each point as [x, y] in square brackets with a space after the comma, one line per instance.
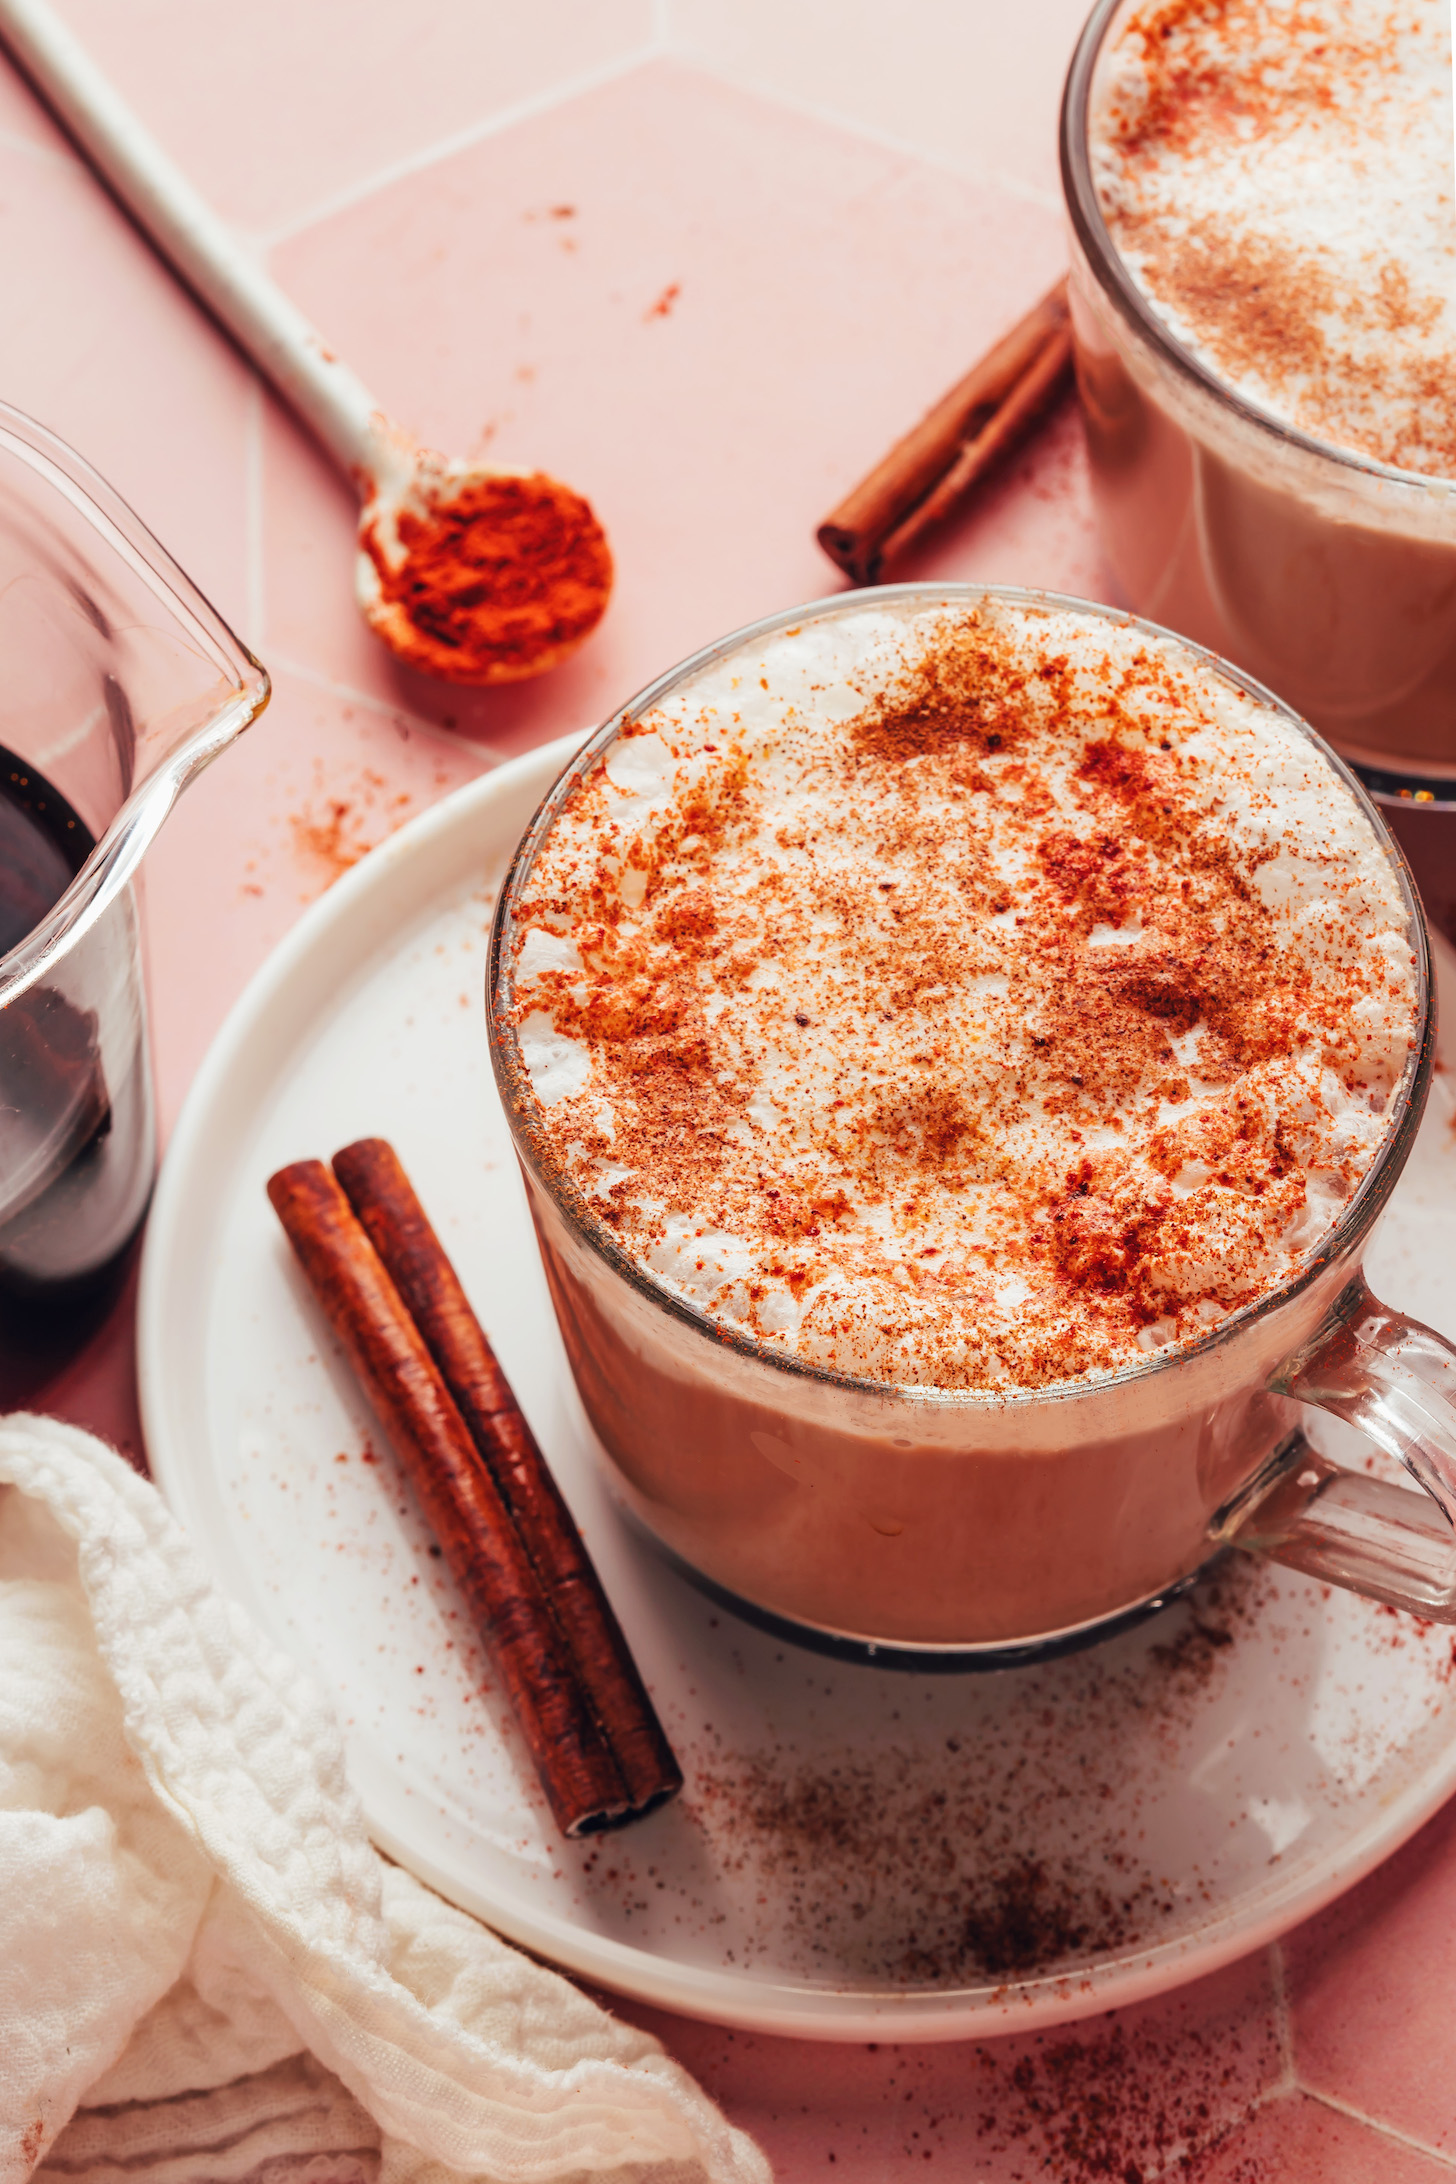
[339, 933]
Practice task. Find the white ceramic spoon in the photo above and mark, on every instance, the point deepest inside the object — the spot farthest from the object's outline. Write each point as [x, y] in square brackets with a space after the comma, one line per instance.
[526, 570]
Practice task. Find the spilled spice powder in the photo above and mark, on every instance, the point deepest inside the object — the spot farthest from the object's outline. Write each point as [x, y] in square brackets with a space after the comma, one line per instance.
[1121, 2109]
[1032, 1915]
[332, 838]
[970, 1861]
[495, 584]
[907, 1872]
[341, 822]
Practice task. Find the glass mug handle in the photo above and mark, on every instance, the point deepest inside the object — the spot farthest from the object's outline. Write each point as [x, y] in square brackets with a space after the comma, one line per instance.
[1396, 1381]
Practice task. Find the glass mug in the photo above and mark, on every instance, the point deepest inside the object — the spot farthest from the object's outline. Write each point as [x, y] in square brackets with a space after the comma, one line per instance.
[1328, 575]
[119, 685]
[991, 1525]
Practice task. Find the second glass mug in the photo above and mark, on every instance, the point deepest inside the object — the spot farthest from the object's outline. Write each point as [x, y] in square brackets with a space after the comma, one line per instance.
[982, 1525]
[1329, 575]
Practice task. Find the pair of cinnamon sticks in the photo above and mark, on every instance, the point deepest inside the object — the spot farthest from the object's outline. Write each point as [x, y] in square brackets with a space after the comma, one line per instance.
[393, 1298]
[928, 474]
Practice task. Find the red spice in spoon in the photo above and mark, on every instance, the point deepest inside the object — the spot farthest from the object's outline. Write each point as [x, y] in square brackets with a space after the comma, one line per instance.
[491, 583]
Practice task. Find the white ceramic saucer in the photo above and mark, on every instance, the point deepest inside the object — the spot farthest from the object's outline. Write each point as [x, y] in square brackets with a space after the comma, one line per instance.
[860, 1852]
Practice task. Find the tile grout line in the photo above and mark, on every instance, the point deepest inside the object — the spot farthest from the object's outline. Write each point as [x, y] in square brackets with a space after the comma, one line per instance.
[1279, 2089]
[1291, 2082]
[49, 155]
[386, 709]
[1193, 2149]
[886, 139]
[544, 102]
[658, 47]
[254, 561]
[1381, 2130]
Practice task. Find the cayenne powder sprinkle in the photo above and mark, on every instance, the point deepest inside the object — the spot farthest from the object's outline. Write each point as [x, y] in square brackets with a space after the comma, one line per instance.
[496, 583]
[954, 1040]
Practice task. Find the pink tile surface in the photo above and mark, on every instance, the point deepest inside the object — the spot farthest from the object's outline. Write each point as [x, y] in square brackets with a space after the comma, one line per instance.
[111, 354]
[790, 229]
[1119, 2098]
[1371, 1986]
[974, 87]
[1297, 2140]
[275, 107]
[310, 788]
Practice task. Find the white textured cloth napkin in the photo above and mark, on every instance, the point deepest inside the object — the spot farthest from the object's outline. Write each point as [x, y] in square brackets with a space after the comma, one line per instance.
[200, 1949]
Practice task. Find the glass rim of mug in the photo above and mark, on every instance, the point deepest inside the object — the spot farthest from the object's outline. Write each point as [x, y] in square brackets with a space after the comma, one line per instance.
[1114, 277]
[1406, 1105]
[114, 860]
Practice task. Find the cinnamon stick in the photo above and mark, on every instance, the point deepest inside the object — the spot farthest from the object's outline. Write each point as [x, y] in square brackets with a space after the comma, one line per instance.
[981, 419]
[461, 1502]
[1004, 430]
[399, 1229]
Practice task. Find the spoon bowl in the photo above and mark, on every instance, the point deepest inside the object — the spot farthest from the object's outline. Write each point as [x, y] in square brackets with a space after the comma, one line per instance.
[476, 574]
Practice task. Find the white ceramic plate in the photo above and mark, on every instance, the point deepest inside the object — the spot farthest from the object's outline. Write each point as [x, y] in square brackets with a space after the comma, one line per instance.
[860, 1852]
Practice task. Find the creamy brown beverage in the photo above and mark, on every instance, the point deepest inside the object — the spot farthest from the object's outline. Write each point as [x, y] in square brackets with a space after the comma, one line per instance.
[1279, 180]
[1265, 313]
[965, 1001]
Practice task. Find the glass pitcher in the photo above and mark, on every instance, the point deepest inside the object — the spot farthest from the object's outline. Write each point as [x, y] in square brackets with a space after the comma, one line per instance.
[118, 684]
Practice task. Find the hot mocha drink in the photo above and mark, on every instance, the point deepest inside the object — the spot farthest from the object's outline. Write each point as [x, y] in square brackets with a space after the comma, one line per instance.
[974, 998]
[1279, 180]
[1264, 316]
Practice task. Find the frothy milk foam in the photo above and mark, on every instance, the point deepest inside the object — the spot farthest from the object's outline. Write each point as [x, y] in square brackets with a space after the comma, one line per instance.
[1279, 180]
[976, 999]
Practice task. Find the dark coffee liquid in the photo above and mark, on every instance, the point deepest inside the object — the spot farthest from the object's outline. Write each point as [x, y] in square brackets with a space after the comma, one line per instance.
[77, 1143]
[43, 845]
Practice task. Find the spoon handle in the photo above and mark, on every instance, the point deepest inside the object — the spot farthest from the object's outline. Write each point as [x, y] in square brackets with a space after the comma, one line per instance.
[220, 270]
